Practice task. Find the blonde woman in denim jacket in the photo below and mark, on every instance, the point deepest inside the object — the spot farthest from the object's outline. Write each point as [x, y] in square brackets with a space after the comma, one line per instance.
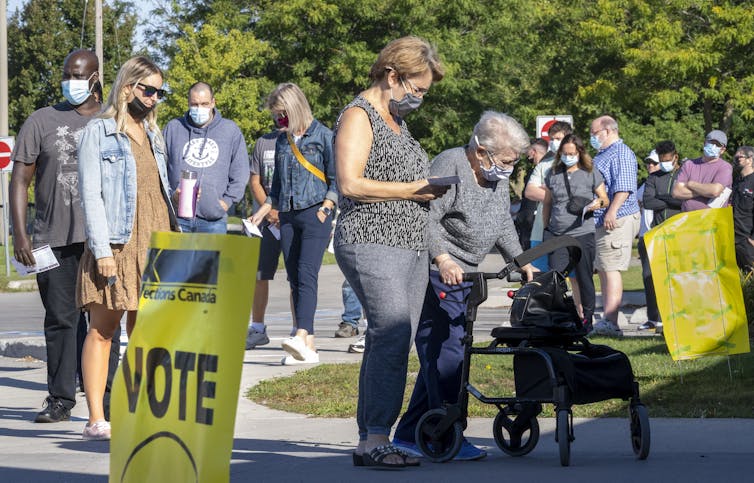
[302, 200]
[125, 197]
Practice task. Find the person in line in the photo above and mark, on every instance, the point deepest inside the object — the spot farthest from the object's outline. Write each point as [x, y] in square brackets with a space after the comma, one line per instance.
[618, 224]
[304, 193]
[45, 151]
[262, 169]
[380, 238]
[658, 198]
[572, 186]
[742, 200]
[205, 142]
[704, 179]
[125, 197]
[349, 325]
[535, 187]
[524, 220]
[652, 163]
[464, 225]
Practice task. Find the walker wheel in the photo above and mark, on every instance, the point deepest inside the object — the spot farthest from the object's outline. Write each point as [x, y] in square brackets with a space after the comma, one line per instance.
[640, 435]
[438, 447]
[514, 437]
[563, 435]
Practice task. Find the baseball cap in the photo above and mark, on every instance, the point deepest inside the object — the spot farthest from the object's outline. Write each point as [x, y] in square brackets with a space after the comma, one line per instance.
[718, 136]
[652, 157]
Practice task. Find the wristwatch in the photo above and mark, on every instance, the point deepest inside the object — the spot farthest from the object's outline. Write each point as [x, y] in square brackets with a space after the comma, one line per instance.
[327, 211]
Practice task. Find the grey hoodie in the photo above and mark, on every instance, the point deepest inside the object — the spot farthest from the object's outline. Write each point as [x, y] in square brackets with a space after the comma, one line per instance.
[217, 152]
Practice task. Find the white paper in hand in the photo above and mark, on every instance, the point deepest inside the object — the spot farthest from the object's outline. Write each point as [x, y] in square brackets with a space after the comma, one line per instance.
[721, 200]
[250, 229]
[44, 260]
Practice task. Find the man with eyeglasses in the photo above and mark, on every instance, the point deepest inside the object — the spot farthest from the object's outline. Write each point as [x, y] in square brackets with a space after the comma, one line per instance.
[46, 151]
[214, 148]
[706, 179]
[742, 200]
[617, 225]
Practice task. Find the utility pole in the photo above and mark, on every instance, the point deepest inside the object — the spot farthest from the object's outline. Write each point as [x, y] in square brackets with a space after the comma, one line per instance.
[98, 39]
[3, 68]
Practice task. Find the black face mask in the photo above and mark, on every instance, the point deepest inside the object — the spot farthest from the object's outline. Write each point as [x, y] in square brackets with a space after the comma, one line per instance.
[137, 108]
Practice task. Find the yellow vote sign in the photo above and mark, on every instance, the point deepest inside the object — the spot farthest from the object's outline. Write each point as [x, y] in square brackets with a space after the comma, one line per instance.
[175, 394]
[694, 271]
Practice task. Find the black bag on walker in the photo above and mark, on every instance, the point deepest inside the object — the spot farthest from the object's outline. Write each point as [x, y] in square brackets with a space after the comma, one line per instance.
[544, 302]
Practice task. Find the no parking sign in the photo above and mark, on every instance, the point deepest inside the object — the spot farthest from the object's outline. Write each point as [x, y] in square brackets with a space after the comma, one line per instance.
[545, 122]
[6, 146]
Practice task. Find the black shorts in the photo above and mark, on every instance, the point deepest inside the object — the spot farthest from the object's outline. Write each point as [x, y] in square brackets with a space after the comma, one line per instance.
[269, 254]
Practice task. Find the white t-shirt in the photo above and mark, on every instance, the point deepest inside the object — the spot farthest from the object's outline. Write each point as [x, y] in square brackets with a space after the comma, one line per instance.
[537, 178]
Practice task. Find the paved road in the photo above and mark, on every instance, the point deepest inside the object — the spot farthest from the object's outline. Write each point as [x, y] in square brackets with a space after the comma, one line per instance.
[276, 446]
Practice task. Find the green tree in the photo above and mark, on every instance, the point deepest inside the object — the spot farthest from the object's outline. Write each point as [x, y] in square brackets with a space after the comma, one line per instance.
[43, 33]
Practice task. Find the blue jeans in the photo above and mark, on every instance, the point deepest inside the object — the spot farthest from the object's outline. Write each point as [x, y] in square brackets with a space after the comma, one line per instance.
[200, 225]
[351, 305]
[304, 240]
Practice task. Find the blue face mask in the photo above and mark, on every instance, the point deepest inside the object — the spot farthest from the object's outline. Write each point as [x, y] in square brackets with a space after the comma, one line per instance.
[712, 151]
[666, 166]
[554, 145]
[570, 160]
[200, 115]
[595, 142]
[76, 91]
[496, 173]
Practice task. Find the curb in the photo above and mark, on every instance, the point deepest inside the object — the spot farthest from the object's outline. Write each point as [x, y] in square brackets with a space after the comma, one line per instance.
[24, 347]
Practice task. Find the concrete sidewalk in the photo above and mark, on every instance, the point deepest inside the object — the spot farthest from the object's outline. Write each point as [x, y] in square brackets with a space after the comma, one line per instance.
[276, 446]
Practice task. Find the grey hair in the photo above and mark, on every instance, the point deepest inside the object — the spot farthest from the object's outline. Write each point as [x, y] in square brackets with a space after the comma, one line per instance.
[748, 151]
[498, 131]
[607, 122]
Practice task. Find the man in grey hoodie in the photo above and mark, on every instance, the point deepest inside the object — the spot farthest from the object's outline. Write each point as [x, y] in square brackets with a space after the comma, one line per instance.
[212, 146]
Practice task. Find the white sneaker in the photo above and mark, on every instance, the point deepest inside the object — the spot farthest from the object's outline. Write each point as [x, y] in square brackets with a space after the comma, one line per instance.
[291, 361]
[606, 328]
[358, 346]
[99, 431]
[296, 347]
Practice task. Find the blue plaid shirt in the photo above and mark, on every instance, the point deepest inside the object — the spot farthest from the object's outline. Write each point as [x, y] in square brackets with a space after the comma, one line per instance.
[617, 163]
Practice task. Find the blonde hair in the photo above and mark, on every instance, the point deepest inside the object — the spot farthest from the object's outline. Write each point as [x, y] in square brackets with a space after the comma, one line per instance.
[290, 98]
[408, 57]
[131, 73]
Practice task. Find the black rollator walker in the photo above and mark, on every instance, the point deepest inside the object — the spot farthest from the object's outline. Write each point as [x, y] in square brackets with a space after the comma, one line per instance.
[553, 363]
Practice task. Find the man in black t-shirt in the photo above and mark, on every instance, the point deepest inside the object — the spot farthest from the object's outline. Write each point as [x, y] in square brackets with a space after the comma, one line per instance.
[742, 200]
[46, 151]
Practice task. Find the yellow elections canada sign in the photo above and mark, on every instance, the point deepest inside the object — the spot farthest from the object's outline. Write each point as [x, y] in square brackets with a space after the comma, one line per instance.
[175, 393]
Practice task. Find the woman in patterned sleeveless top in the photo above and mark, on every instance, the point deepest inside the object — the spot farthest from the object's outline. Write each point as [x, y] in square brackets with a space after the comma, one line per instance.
[380, 241]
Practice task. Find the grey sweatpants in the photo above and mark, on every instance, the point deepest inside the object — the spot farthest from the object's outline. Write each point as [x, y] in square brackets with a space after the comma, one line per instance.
[390, 283]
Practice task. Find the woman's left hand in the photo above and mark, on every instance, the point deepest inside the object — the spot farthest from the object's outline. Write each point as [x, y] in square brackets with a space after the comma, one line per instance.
[450, 272]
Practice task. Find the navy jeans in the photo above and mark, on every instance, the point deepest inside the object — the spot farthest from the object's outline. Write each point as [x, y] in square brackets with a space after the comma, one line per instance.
[442, 325]
[304, 240]
[351, 305]
[65, 327]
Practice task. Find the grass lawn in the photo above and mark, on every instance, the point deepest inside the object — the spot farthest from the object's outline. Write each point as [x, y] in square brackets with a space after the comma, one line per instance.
[693, 389]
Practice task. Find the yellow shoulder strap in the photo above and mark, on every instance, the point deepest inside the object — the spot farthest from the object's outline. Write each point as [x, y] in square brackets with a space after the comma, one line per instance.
[304, 162]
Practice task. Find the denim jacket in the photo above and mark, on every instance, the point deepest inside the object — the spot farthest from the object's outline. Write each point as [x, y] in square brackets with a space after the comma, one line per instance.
[107, 179]
[293, 186]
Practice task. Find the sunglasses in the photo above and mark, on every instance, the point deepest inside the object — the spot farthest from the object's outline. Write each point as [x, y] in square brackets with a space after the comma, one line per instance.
[150, 91]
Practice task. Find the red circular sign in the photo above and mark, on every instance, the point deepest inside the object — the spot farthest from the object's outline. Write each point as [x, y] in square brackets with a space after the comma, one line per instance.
[546, 128]
[4, 154]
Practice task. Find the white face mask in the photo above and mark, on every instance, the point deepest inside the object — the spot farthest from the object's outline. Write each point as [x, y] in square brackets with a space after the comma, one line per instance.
[200, 115]
[666, 166]
[554, 145]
